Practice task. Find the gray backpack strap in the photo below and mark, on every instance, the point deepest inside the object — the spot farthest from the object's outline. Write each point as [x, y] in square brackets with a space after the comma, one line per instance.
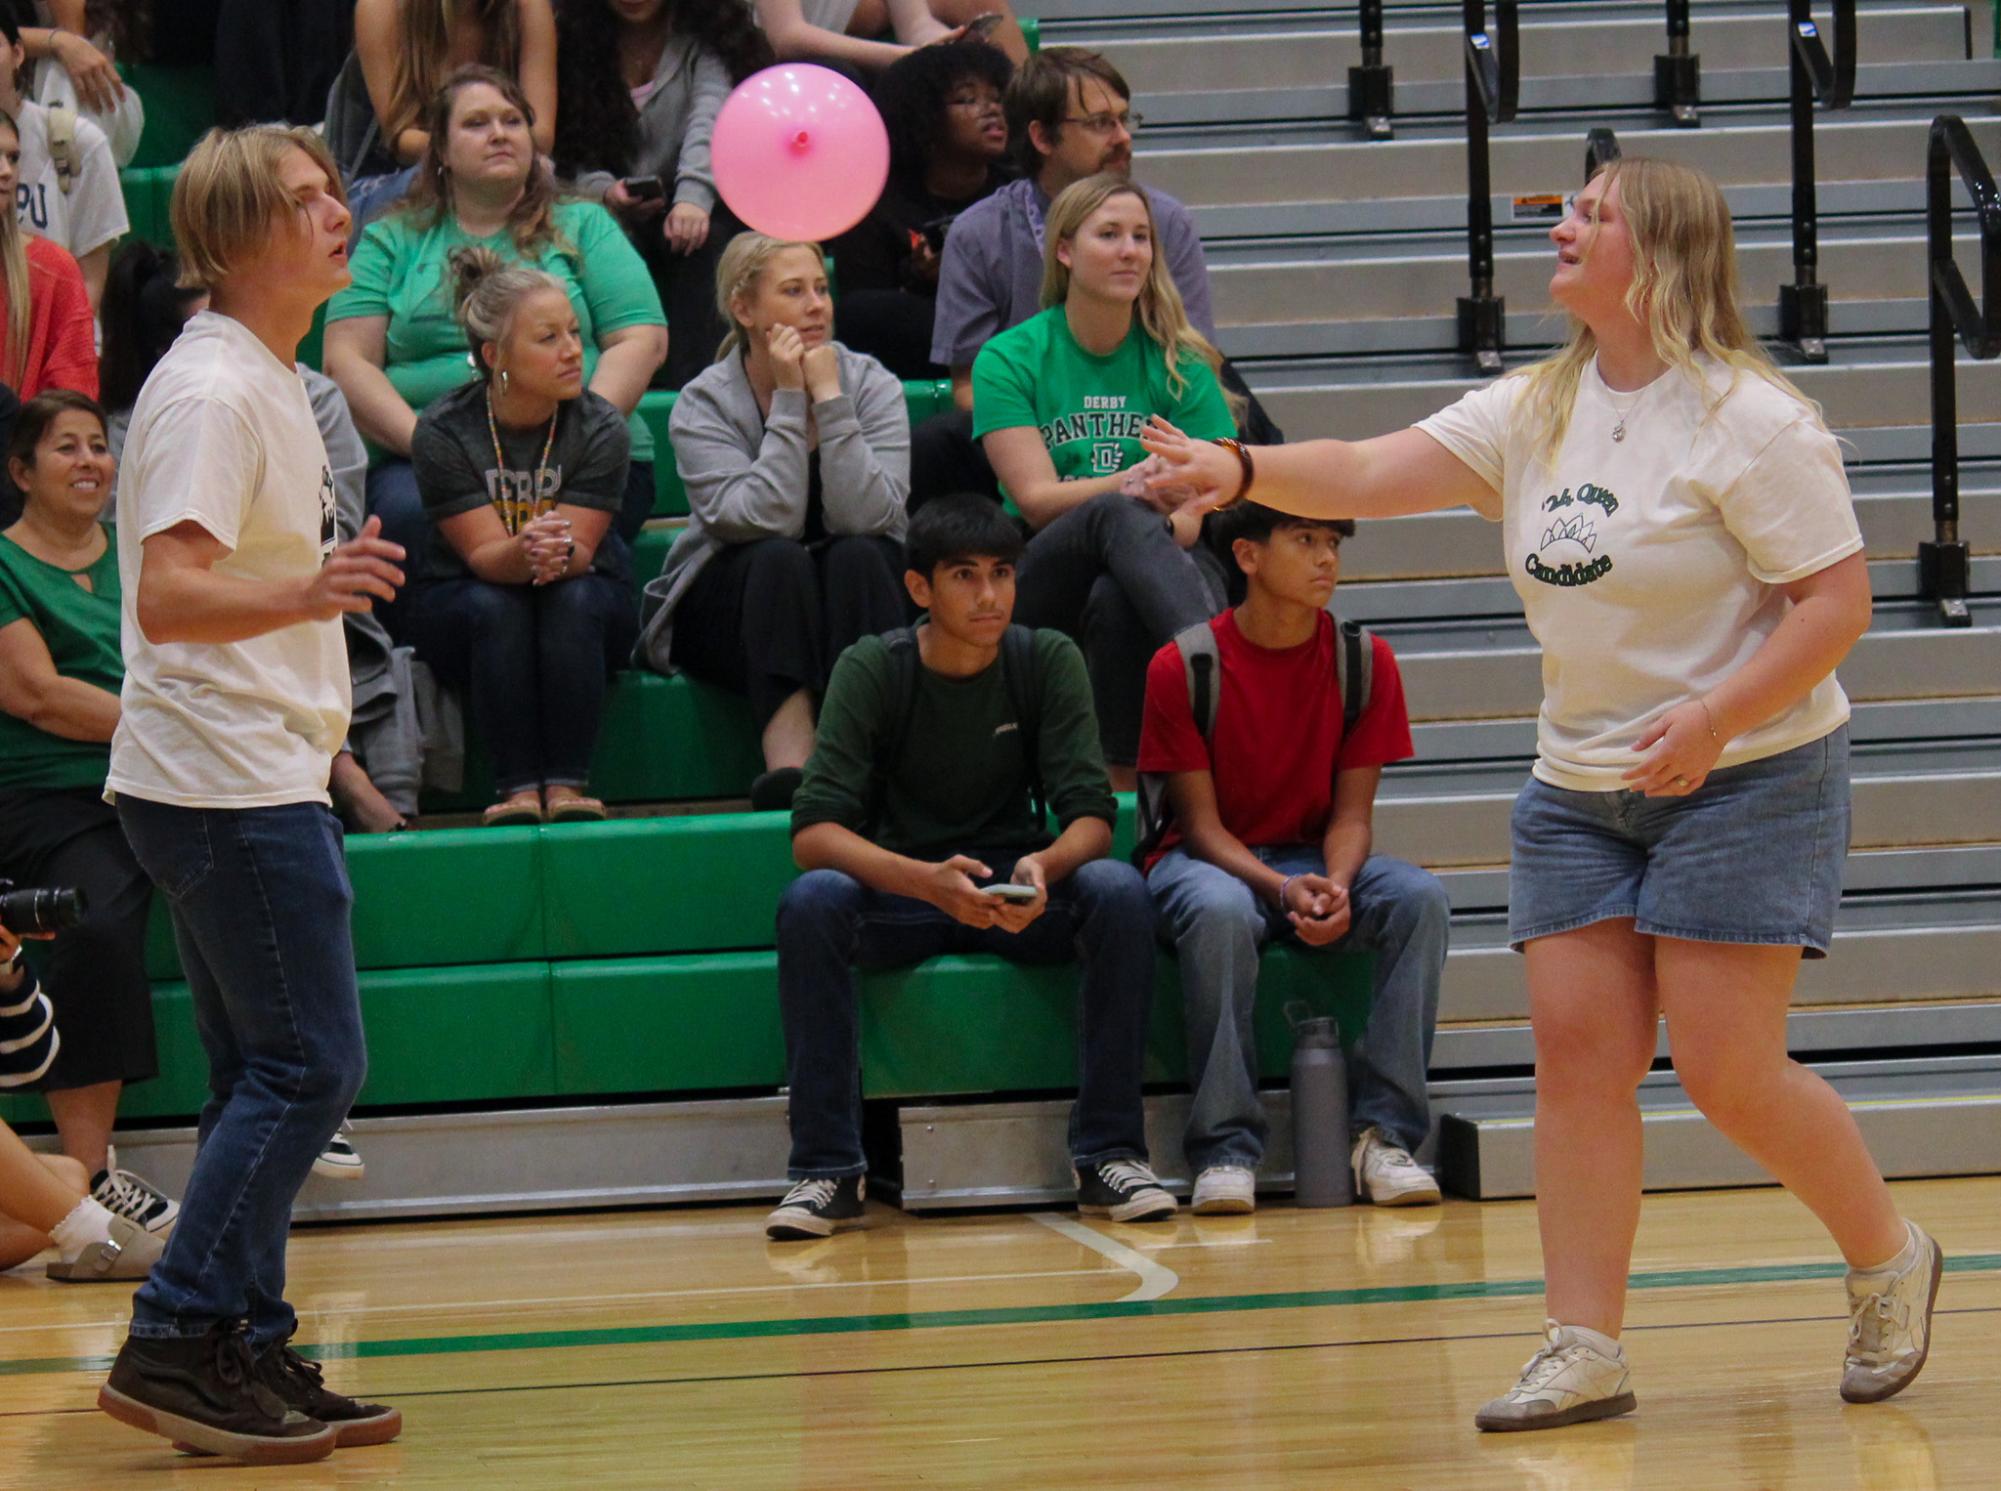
[1201, 665]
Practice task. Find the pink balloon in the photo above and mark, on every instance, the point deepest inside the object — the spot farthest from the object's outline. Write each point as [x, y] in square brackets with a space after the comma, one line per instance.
[799, 152]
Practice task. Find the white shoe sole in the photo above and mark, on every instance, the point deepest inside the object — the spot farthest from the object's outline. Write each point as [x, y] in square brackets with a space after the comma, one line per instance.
[803, 1226]
[1577, 1413]
[1132, 1211]
[1877, 1392]
[1224, 1206]
[1415, 1196]
[251, 1449]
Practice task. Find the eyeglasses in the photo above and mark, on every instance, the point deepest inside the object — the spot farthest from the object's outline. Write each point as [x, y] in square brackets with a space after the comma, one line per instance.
[1105, 124]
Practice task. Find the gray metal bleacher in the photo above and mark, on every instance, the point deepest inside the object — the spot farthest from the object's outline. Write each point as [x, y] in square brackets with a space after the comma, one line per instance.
[1336, 260]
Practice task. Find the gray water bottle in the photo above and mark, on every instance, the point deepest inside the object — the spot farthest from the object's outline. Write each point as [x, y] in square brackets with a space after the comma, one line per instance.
[1321, 1176]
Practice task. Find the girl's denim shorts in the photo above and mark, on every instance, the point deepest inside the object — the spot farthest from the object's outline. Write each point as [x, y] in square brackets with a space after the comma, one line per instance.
[1754, 855]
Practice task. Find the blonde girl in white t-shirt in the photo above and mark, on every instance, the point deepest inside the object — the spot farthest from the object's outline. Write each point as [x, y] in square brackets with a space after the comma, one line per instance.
[1680, 531]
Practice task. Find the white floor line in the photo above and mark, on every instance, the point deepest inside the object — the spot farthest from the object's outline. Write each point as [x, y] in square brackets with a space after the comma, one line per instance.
[572, 1300]
[1155, 1280]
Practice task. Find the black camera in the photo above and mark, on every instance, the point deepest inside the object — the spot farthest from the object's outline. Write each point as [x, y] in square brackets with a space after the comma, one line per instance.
[28, 913]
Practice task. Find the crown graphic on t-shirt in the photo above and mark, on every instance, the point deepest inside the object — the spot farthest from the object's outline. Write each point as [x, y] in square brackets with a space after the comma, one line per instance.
[1578, 530]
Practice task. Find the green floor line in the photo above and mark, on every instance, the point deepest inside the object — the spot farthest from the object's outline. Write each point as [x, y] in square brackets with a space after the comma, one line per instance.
[838, 1325]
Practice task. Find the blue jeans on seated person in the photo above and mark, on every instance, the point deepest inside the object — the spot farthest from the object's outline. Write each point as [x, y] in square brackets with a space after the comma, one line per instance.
[1216, 924]
[534, 662]
[830, 924]
[393, 497]
[259, 899]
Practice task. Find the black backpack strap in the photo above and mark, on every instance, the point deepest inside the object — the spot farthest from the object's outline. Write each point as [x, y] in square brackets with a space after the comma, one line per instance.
[1024, 695]
[1354, 671]
[903, 664]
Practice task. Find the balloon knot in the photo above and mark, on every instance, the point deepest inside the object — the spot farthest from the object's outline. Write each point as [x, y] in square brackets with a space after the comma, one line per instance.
[801, 141]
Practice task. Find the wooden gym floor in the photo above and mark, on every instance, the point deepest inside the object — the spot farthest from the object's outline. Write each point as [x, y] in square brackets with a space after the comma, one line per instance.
[1341, 1350]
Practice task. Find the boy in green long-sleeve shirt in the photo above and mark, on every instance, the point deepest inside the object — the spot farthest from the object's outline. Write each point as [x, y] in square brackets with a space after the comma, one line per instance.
[933, 749]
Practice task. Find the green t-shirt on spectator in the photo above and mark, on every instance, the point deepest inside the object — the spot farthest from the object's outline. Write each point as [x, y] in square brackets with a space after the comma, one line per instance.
[400, 271]
[1089, 409]
[80, 629]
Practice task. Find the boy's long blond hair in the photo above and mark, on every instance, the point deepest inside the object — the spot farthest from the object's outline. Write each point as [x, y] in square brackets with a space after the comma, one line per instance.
[1684, 291]
[1160, 308]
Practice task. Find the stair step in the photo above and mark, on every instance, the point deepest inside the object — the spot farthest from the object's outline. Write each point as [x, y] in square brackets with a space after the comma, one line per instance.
[1493, 670]
[1874, 722]
[1870, 384]
[1893, 507]
[1939, 946]
[1940, 1116]
[1276, 70]
[1398, 293]
[1262, 181]
[1904, 796]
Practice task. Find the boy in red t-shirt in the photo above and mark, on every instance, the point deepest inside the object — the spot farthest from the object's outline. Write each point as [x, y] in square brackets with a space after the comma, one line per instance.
[1270, 836]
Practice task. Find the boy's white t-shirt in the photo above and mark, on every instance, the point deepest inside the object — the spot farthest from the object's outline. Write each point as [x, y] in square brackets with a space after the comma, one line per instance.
[224, 436]
[1649, 568]
[92, 212]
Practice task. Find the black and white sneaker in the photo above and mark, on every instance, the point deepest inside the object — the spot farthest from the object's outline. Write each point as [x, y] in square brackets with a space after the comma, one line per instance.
[126, 1195]
[817, 1208]
[1124, 1190]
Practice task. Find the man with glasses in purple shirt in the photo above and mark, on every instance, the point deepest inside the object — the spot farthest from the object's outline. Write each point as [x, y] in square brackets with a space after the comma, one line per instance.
[1069, 116]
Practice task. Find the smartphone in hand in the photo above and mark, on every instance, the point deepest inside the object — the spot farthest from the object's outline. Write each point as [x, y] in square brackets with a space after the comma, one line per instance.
[643, 188]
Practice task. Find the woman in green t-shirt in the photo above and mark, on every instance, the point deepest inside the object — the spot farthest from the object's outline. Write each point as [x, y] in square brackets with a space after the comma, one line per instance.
[1059, 402]
[393, 342]
[60, 675]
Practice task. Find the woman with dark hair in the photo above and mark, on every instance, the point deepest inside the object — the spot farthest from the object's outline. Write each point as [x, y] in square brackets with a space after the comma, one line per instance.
[60, 675]
[642, 148]
[948, 148]
[145, 308]
[393, 343]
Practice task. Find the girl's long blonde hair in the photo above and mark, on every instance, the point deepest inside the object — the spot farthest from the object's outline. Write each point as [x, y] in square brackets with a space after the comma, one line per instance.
[14, 278]
[424, 57]
[1684, 291]
[1160, 309]
[742, 265]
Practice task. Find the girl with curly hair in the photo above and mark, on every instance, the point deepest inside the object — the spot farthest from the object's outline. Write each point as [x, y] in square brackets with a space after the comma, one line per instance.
[948, 148]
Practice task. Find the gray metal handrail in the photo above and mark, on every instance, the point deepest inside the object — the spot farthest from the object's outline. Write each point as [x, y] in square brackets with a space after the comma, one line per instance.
[1493, 88]
[1803, 303]
[1944, 560]
[1372, 85]
[1678, 71]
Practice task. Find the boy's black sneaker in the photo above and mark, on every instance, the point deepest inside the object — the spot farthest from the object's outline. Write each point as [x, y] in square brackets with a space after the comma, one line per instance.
[1124, 1190]
[204, 1392]
[817, 1208]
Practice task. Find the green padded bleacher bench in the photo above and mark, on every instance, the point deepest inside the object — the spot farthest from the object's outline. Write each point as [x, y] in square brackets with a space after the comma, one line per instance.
[180, 109]
[481, 1033]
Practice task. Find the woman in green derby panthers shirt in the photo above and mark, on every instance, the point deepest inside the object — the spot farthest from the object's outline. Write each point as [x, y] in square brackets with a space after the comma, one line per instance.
[1059, 402]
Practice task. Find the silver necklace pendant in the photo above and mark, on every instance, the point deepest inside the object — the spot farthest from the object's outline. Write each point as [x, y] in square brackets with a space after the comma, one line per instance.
[1619, 431]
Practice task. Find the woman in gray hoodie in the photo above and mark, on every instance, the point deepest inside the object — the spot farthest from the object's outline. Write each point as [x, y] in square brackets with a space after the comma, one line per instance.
[796, 456]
